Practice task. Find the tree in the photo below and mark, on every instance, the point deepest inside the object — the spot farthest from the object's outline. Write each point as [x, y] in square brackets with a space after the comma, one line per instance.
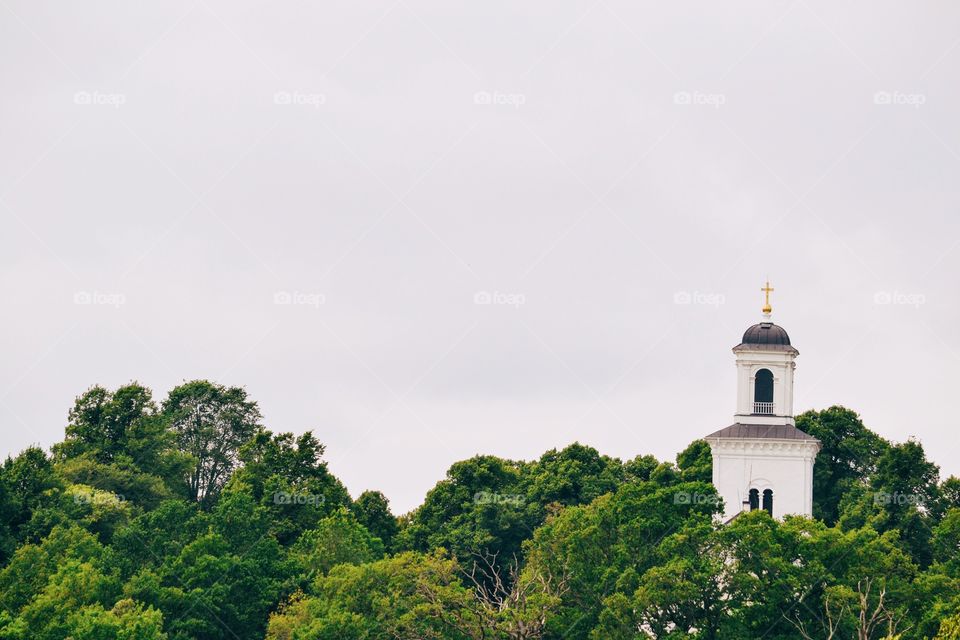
[419, 596]
[66, 588]
[479, 506]
[127, 620]
[8, 541]
[104, 423]
[117, 441]
[156, 537]
[696, 462]
[898, 497]
[407, 596]
[372, 510]
[949, 629]
[710, 581]
[214, 591]
[211, 423]
[509, 603]
[26, 480]
[574, 475]
[605, 547]
[33, 565]
[849, 456]
[288, 476]
[948, 497]
[338, 539]
[491, 505]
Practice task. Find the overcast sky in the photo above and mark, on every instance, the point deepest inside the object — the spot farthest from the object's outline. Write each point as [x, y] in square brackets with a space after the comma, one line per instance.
[315, 200]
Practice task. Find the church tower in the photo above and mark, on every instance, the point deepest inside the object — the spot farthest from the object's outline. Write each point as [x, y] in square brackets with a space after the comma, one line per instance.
[762, 461]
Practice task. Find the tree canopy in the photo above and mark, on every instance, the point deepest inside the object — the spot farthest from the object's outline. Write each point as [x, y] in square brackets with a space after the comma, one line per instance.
[187, 519]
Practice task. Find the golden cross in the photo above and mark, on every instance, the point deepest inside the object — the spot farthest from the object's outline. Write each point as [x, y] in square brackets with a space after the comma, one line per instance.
[766, 290]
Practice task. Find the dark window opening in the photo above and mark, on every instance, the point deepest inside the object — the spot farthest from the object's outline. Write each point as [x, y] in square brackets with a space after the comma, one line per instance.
[768, 501]
[763, 386]
[754, 499]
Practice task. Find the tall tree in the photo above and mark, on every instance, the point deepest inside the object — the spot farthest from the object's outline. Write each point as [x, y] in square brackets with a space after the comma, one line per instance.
[696, 462]
[26, 480]
[372, 510]
[287, 475]
[104, 422]
[211, 423]
[118, 441]
[849, 456]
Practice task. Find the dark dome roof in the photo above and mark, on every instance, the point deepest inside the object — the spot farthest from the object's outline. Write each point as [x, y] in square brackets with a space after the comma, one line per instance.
[766, 333]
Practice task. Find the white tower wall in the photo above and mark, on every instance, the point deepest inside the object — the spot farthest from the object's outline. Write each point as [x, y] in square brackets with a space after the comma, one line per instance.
[763, 449]
[784, 466]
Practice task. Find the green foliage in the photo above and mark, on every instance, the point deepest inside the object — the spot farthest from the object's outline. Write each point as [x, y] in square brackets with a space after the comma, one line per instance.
[372, 510]
[574, 475]
[948, 495]
[107, 424]
[287, 476]
[119, 442]
[949, 629]
[696, 462]
[26, 481]
[66, 587]
[849, 456]
[478, 506]
[33, 565]
[191, 521]
[407, 596]
[127, 620]
[210, 422]
[338, 539]
[488, 504]
[605, 547]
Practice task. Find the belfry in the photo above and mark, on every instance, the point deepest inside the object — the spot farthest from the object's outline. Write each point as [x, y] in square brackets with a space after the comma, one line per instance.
[762, 460]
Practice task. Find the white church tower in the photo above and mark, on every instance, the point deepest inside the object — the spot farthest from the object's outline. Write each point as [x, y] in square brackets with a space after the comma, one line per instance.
[763, 461]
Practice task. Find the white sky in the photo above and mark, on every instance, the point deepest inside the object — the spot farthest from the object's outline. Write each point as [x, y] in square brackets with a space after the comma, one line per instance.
[179, 164]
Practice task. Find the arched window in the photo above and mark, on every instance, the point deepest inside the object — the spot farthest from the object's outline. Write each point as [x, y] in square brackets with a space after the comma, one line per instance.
[754, 499]
[763, 392]
[768, 501]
